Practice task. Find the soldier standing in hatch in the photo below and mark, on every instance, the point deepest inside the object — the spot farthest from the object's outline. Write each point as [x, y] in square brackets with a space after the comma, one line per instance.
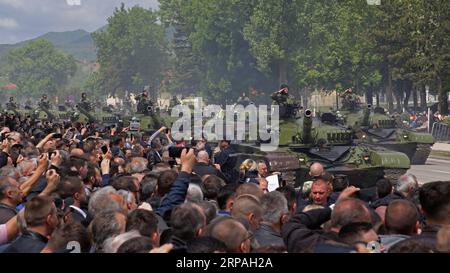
[174, 102]
[85, 103]
[11, 105]
[288, 107]
[144, 102]
[244, 100]
[350, 100]
[281, 96]
[44, 103]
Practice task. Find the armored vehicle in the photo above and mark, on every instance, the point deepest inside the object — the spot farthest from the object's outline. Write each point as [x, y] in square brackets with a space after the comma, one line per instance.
[307, 140]
[377, 128]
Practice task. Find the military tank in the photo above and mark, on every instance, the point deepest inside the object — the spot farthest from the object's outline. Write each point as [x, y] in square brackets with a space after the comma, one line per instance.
[377, 128]
[307, 140]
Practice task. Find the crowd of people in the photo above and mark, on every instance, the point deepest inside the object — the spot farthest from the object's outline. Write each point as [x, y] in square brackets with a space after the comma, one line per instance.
[65, 187]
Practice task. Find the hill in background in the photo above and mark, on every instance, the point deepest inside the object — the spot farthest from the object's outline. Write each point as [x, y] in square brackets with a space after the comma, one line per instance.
[78, 43]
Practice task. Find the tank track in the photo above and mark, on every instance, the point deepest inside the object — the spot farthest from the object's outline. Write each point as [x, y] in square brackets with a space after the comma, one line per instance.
[421, 154]
[394, 174]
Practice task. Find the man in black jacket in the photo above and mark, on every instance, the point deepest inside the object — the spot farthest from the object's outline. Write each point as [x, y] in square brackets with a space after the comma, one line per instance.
[275, 214]
[72, 188]
[226, 162]
[41, 218]
[303, 234]
[203, 166]
[188, 222]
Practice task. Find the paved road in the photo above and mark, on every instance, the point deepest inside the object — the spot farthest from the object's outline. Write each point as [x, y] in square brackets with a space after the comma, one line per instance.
[436, 169]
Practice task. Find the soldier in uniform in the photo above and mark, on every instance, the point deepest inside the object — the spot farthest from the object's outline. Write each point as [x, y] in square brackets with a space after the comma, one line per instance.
[244, 100]
[11, 105]
[288, 107]
[174, 102]
[85, 103]
[28, 104]
[350, 100]
[144, 103]
[44, 103]
[281, 96]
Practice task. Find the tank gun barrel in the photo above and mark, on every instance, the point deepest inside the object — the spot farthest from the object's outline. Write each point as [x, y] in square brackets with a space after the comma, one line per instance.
[366, 116]
[307, 127]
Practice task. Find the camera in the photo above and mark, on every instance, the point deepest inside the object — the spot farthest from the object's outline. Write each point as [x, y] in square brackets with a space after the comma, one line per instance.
[175, 152]
[104, 149]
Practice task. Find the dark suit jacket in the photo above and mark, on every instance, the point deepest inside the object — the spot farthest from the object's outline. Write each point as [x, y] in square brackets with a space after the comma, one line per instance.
[203, 169]
[227, 164]
[266, 236]
[30, 242]
[78, 217]
[302, 233]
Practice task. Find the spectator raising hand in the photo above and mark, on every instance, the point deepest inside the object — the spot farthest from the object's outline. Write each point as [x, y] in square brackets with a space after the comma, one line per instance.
[52, 178]
[188, 160]
[56, 158]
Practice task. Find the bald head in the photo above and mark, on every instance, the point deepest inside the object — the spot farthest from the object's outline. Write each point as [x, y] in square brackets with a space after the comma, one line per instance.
[229, 231]
[316, 169]
[401, 217]
[349, 211]
[203, 157]
[250, 188]
[77, 152]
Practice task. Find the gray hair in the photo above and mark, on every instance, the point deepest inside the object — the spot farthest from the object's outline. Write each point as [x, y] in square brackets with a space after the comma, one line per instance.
[104, 226]
[9, 171]
[194, 193]
[101, 200]
[26, 164]
[406, 183]
[5, 184]
[137, 165]
[274, 205]
[128, 196]
[112, 244]
[64, 155]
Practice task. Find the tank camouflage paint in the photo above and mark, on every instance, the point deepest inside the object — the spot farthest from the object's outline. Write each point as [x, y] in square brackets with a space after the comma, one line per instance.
[379, 129]
[308, 140]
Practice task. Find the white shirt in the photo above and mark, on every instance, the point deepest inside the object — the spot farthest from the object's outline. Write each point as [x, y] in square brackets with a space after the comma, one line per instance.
[80, 211]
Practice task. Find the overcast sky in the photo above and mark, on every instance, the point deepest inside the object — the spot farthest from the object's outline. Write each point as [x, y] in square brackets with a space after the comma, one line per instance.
[26, 19]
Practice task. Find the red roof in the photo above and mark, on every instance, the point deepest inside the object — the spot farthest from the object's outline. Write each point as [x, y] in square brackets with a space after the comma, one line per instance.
[9, 86]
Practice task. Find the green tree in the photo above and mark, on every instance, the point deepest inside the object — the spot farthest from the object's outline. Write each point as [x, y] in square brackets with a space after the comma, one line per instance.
[274, 34]
[132, 51]
[38, 67]
[337, 53]
[211, 55]
[431, 61]
[185, 75]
